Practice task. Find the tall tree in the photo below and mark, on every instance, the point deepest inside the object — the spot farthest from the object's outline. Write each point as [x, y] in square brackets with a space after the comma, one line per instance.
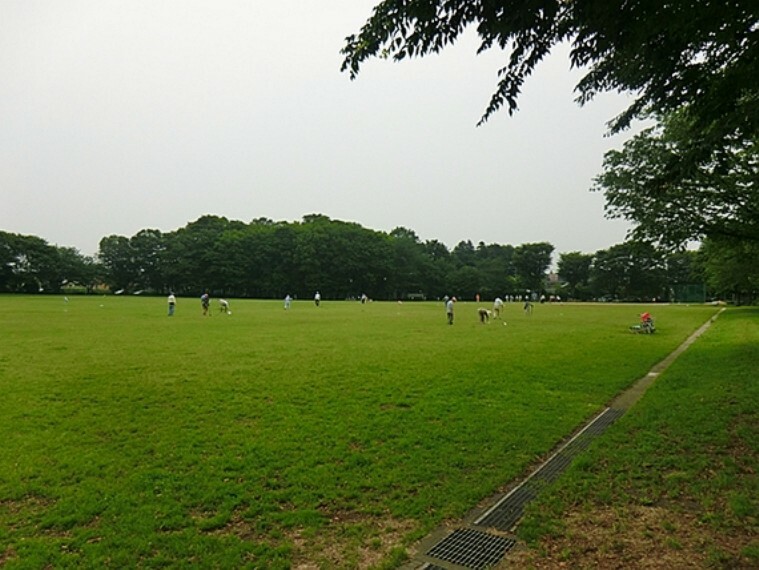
[629, 271]
[464, 253]
[8, 258]
[496, 265]
[116, 255]
[438, 268]
[531, 261]
[672, 200]
[30, 264]
[192, 262]
[732, 268]
[76, 269]
[683, 268]
[148, 247]
[574, 268]
[465, 282]
[409, 263]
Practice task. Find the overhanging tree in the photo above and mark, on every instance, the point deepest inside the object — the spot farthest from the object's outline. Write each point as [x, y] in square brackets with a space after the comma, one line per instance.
[700, 53]
[698, 58]
[672, 201]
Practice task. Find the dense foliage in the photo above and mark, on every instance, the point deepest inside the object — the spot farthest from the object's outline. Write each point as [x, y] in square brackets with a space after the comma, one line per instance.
[651, 182]
[340, 259]
[267, 259]
[28, 264]
[669, 54]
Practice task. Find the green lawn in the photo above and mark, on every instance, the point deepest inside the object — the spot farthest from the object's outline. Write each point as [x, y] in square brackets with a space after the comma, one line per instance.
[674, 482]
[322, 437]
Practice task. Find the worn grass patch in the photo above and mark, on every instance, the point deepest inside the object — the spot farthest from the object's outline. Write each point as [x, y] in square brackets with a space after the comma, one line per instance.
[674, 482]
[314, 437]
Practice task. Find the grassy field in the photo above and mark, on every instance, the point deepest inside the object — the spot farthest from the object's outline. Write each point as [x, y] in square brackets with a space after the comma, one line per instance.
[673, 484]
[327, 437]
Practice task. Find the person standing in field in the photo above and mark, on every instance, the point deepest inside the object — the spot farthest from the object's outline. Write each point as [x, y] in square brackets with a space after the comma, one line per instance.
[317, 298]
[172, 303]
[497, 307]
[205, 301]
[288, 300]
[449, 309]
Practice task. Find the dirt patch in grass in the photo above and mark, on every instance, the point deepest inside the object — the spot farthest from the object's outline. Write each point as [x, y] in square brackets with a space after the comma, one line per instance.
[638, 537]
[347, 540]
[7, 556]
[31, 503]
[350, 540]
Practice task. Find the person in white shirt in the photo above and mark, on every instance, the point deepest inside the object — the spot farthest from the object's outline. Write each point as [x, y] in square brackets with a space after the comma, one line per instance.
[497, 307]
[449, 309]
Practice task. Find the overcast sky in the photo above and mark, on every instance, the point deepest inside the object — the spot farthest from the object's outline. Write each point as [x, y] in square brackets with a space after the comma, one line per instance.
[117, 116]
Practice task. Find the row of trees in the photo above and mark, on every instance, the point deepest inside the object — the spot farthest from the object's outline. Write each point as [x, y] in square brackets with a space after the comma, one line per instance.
[270, 259]
[636, 270]
[28, 264]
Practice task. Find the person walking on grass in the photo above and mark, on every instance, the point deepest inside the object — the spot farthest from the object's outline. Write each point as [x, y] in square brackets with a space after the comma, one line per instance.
[449, 309]
[205, 301]
[172, 303]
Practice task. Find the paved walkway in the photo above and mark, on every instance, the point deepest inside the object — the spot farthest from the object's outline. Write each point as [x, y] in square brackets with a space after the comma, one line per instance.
[485, 536]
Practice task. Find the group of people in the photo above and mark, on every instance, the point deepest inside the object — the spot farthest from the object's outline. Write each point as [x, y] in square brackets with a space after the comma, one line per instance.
[205, 303]
[484, 315]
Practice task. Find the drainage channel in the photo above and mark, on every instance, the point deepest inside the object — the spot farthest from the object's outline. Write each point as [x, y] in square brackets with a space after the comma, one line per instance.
[485, 541]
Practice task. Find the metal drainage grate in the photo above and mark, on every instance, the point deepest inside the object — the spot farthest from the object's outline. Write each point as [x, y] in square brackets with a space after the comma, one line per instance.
[603, 421]
[510, 509]
[472, 548]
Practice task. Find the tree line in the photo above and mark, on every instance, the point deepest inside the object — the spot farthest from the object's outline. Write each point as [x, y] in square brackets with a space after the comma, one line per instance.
[267, 259]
